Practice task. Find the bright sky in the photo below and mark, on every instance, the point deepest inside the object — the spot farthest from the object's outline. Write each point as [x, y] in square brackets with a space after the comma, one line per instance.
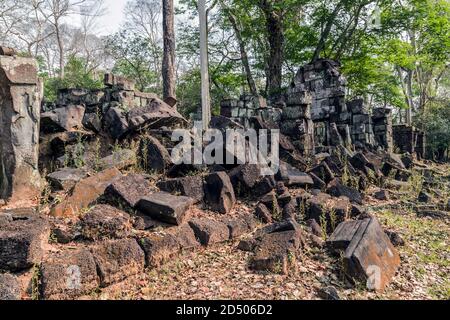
[113, 17]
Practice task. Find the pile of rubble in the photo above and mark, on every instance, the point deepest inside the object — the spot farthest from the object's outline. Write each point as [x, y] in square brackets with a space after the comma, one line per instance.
[121, 210]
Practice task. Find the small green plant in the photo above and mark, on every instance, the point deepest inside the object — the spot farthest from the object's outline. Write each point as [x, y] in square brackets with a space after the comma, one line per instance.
[97, 148]
[324, 223]
[302, 211]
[276, 214]
[333, 219]
[36, 282]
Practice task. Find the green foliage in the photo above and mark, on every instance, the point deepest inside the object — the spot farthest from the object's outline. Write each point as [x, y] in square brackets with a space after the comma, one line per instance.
[76, 76]
[435, 121]
[135, 59]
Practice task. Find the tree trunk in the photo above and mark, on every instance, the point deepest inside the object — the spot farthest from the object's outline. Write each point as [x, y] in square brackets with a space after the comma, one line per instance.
[168, 65]
[409, 91]
[326, 32]
[60, 49]
[244, 57]
[275, 34]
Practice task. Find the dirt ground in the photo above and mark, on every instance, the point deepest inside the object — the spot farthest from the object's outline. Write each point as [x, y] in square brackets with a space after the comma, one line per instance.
[222, 272]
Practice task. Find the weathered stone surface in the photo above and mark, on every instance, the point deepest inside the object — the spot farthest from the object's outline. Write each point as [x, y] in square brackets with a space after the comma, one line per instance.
[60, 142]
[85, 192]
[263, 186]
[21, 240]
[263, 213]
[115, 123]
[244, 178]
[337, 189]
[314, 227]
[323, 171]
[68, 274]
[424, 197]
[165, 207]
[185, 237]
[105, 222]
[327, 211]
[20, 102]
[9, 287]
[91, 121]
[66, 178]
[329, 293]
[369, 255]
[210, 231]
[117, 260]
[318, 183]
[219, 192]
[128, 190]
[121, 159]
[382, 195]
[275, 251]
[122, 83]
[63, 119]
[395, 238]
[154, 156]
[155, 114]
[191, 187]
[293, 177]
[360, 161]
[239, 225]
[159, 248]
[63, 234]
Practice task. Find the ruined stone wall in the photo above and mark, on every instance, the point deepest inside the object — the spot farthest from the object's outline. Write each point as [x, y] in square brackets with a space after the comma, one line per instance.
[314, 112]
[247, 106]
[409, 139]
[20, 100]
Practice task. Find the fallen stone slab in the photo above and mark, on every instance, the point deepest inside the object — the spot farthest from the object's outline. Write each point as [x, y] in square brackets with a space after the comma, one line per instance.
[61, 142]
[154, 157]
[115, 123]
[369, 255]
[9, 287]
[126, 191]
[361, 162]
[121, 159]
[219, 192]
[382, 195]
[275, 252]
[327, 211]
[210, 231]
[337, 189]
[91, 121]
[323, 171]
[20, 91]
[293, 177]
[68, 274]
[165, 207]
[118, 259]
[155, 114]
[264, 186]
[191, 187]
[85, 193]
[159, 248]
[263, 213]
[185, 237]
[66, 178]
[239, 225]
[21, 241]
[105, 222]
[68, 118]
[244, 178]
[319, 184]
